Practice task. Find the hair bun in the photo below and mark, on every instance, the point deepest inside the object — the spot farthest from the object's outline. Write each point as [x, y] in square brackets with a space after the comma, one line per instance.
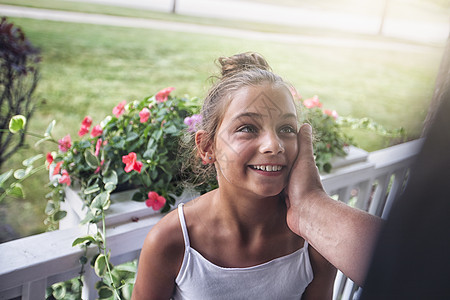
[243, 61]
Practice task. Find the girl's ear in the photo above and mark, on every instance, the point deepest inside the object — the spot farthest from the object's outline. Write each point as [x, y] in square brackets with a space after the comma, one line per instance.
[204, 147]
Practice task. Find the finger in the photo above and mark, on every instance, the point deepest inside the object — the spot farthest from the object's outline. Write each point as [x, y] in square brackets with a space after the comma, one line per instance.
[305, 141]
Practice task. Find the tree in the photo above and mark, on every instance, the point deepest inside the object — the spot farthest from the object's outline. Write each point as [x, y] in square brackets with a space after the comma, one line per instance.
[19, 76]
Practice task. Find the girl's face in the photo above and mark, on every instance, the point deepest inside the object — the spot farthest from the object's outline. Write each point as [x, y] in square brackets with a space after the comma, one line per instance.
[256, 143]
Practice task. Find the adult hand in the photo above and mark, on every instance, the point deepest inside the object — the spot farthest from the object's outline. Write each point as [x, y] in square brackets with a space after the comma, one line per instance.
[343, 235]
[304, 183]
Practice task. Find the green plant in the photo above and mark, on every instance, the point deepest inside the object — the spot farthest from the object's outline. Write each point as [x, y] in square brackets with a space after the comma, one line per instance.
[330, 139]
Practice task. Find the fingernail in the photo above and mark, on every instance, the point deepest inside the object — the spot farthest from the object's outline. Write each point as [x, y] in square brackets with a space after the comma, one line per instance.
[307, 128]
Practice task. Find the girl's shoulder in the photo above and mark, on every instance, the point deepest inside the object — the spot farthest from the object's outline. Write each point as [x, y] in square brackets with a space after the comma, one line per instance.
[165, 242]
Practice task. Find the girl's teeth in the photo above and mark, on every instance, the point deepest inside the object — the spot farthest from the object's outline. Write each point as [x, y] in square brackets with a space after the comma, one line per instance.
[268, 168]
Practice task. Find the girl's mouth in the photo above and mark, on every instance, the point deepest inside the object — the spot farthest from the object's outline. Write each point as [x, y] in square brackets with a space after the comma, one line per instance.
[267, 168]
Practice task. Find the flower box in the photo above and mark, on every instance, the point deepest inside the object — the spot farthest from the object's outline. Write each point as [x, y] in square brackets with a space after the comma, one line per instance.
[122, 208]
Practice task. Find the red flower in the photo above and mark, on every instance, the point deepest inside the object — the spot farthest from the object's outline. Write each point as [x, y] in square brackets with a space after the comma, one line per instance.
[131, 163]
[49, 158]
[65, 143]
[97, 147]
[331, 113]
[163, 95]
[144, 114]
[155, 201]
[83, 130]
[119, 109]
[96, 131]
[87, 122]
[57, 168]
[65, 178]
[312, 102]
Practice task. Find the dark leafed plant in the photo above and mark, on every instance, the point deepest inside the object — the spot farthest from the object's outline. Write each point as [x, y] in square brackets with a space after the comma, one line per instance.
[19, 76]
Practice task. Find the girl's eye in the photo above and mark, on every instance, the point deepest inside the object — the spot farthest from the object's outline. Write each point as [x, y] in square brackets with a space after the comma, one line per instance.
[247, 128]
[288, 129]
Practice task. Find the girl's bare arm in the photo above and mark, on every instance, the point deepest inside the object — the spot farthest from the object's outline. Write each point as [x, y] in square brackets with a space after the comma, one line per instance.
[160, 260]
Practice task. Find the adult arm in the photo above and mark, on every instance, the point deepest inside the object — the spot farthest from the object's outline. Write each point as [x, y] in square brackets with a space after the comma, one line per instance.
[345, 236]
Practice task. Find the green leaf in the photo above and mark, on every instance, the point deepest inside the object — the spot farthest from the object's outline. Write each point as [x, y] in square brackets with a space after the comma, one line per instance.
[29, 161]
[19, 174]
[171, 129]
[16, 190]
[120, 144]
[100, 202]
[83, 240]
[91, 159]
[138, 196]
[5, 176]
[110, 177]
[132, 136]
[109, 186]
[59, 215]
[17, 123]
[50, 207]
[157, 134]
[100, 267]
[91, 189]
[105, 121]
[48, 138]
[105, 293]
[50, 127]
[59, 290]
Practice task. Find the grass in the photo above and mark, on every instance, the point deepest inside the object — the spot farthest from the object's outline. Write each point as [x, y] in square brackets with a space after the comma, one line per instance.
[420, 10]
[87, 70]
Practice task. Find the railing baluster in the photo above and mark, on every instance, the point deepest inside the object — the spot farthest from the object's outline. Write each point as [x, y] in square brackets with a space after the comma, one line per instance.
[396, 188]
[34, 290]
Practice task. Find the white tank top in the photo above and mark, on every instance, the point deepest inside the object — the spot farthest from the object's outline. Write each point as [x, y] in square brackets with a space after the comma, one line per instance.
[285, 277]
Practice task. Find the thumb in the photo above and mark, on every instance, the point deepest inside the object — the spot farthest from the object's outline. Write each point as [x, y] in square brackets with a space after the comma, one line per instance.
[305, 146]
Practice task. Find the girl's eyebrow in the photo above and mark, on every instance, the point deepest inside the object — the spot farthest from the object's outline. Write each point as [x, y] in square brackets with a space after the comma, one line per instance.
[260, 116]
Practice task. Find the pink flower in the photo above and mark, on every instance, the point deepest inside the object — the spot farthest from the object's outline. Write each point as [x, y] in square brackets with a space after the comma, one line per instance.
[163, 95]
[57, 168]
[155, 201]
[49, 158]
[87, 122]
[131, 163]
[119, 109]
[331, 113]
[192, 122]
[96, 131]
[295, 94]
[65, 143]
[99, 167]
[97, 147]
[83, 130]
[65, 178]
[312, 102]
[144, 114]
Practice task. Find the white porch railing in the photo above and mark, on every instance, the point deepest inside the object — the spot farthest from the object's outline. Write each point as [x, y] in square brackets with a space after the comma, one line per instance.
[369, 181]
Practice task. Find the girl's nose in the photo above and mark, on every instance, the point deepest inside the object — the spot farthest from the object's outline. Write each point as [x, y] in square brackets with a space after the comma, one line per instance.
[271, 144]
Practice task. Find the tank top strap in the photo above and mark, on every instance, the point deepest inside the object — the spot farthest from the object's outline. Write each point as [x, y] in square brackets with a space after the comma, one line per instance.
[183, 225]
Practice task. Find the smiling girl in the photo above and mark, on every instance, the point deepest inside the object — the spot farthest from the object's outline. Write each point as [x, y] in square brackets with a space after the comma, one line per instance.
[234, 242]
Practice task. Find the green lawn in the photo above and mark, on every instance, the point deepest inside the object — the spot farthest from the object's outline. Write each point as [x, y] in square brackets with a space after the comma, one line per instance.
[87, 70]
